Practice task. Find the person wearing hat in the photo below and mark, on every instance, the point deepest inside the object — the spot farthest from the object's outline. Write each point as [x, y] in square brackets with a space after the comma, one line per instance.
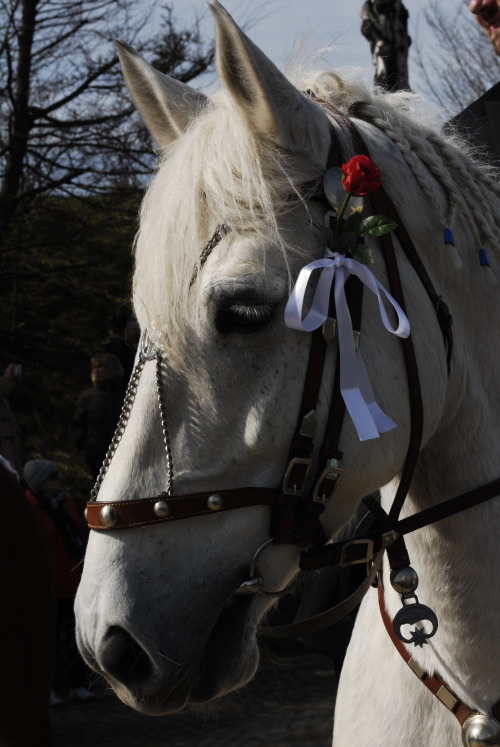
[62, 523]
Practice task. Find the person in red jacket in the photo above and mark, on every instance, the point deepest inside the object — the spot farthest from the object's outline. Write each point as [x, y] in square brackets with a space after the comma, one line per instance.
[62, 523]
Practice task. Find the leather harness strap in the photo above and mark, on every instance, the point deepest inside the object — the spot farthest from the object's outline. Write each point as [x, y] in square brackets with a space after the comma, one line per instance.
[145, 511]
[433, 682]
[331, 616]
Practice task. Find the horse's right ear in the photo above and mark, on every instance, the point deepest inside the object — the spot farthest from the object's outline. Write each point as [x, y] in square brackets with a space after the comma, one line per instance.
[165, 104]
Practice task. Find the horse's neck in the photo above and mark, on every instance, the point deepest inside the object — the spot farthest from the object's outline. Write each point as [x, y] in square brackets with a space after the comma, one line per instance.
[457, 559]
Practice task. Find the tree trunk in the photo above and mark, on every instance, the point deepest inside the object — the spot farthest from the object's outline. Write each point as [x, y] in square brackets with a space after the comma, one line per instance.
[21, 121]
[385, 25]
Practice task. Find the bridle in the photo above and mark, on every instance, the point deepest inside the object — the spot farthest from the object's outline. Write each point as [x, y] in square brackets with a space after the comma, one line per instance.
[312, 475]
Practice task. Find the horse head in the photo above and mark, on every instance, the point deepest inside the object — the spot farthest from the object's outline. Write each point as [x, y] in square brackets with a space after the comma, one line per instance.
[235, 210]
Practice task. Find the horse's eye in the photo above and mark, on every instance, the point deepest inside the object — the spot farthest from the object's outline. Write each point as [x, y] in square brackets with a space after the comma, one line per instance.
[242, 315]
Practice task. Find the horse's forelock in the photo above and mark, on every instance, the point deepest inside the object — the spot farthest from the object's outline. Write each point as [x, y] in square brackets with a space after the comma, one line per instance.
[217, 173]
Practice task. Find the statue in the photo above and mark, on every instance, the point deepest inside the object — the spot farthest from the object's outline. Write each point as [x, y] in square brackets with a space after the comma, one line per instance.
[385, 25]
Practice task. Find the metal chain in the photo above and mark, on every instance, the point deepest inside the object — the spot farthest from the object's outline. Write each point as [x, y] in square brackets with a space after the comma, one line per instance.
[145, 354]
[164, 429]
[122, 422]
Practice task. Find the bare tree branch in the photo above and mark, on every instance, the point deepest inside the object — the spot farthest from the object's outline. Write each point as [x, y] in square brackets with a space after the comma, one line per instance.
[458, 65]
[65, 113]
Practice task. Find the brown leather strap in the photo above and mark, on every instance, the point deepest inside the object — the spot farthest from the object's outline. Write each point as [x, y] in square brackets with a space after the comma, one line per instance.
[284, 516]
[435, 683]
[330, 616]
[383, 204]
[141, 512]
[448, 508]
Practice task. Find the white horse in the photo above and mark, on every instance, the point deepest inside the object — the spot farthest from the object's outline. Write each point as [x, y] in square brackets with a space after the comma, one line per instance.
[226, 226]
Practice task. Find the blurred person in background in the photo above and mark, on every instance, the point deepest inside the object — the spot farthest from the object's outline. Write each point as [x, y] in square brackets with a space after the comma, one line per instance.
[62, 524]
[98, 410]
[10, 434]
[124, 340]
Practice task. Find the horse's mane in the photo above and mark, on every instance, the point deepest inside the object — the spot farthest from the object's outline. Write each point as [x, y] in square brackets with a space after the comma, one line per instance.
[219, 173]
[467, 181]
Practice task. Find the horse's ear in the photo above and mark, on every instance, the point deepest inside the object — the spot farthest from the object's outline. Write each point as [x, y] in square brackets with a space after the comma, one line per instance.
[270, 103]
[165, 104]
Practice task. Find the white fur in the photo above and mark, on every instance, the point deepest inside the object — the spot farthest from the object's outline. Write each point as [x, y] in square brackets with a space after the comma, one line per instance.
[233, 401]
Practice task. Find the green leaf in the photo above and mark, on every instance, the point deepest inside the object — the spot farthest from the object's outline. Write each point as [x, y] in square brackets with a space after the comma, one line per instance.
[362, 253]
[376, 225]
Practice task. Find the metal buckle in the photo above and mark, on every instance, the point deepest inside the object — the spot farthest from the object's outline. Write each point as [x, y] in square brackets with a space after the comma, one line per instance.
[329, 473]
[296, 490]
[344, 559]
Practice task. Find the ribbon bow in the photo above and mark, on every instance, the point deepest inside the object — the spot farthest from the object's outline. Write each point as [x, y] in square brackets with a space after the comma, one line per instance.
[368, 418]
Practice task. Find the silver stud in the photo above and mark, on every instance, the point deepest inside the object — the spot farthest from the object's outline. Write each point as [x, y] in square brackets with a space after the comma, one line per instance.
[162, 509]
[481, 731]
[85, 516]
[215, 502]
[404, 580]
[108, 516]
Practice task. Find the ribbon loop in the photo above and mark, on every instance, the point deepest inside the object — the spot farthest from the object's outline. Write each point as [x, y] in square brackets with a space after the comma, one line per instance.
[368, 418]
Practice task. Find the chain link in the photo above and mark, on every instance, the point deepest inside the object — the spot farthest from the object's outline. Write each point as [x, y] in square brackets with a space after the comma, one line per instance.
[145, 354]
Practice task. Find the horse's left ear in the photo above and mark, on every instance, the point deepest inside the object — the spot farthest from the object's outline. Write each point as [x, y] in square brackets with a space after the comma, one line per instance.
[269, 102]
[166, 105]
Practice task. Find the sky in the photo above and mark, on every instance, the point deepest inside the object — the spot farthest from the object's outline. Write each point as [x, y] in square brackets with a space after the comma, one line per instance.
[321, 23]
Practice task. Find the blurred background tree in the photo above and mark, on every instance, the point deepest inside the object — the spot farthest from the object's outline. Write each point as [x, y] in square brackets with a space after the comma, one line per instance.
[456, 65]
[74, 158]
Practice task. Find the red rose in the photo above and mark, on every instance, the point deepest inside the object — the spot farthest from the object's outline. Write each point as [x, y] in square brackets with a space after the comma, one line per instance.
[360, 176]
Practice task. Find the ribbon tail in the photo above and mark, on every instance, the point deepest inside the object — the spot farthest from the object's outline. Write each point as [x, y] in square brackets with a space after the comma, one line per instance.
[360, 413]
[357, 408]
[382, 421]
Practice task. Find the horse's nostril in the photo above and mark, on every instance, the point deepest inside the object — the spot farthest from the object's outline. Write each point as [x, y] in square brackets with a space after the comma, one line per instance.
[124, 659]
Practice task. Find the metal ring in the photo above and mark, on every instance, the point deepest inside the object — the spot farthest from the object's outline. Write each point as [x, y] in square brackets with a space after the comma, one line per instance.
[253, 564]
[147, 350]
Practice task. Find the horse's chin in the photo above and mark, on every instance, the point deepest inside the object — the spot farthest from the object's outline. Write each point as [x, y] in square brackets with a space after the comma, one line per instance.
[228, 661]
[230, 658]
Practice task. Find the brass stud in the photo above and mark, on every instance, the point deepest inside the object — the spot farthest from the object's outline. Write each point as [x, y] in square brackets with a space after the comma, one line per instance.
[162, 509]
[215, 502]
[108, 516]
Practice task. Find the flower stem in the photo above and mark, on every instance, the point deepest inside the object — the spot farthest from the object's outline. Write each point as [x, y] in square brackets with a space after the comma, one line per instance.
[340, 215]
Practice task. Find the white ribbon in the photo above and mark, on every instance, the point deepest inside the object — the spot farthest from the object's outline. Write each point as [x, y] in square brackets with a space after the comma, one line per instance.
[368, 418]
